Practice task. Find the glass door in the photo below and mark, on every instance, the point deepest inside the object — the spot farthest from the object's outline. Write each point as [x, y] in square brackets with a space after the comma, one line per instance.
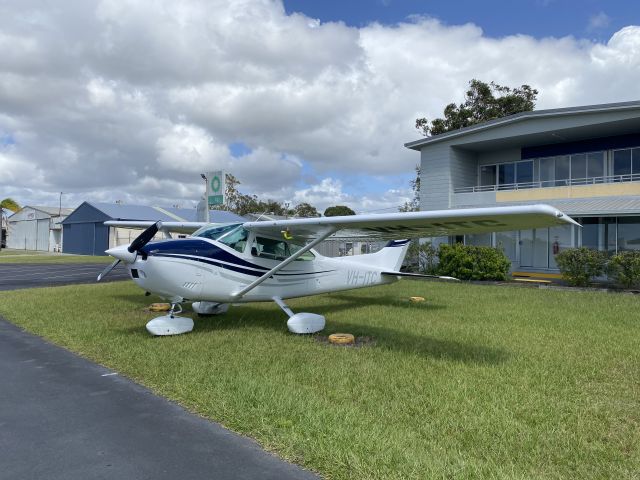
[526, 248]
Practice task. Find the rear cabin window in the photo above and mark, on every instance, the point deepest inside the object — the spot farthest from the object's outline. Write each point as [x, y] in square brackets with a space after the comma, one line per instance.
[277, 249]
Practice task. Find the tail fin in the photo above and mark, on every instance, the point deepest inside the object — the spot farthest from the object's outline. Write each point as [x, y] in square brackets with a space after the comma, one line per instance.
[390, 257]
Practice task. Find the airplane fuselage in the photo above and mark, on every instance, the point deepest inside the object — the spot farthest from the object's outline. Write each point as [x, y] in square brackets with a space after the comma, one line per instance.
[201, 269]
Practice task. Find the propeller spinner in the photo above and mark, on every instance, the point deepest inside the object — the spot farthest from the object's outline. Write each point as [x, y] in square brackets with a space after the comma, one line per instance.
[129, 253]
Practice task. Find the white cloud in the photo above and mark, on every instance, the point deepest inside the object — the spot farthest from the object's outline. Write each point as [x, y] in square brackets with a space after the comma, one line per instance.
[598, 21]
[124, 99]
[329, 192]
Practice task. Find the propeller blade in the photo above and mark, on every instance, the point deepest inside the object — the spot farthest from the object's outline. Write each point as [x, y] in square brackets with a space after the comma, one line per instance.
[107, 270]
[144, 238]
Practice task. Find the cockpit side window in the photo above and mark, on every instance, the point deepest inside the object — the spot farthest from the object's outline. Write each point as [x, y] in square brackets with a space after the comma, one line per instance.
[277, 249]
[236, 239]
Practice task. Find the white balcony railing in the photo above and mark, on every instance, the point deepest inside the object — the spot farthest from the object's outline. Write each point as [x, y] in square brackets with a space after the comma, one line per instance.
[632, 177]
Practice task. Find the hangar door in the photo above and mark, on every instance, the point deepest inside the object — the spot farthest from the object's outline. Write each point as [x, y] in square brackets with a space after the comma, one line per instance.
[85, 238]
[29, 234]
[20, 236]
[42, 234]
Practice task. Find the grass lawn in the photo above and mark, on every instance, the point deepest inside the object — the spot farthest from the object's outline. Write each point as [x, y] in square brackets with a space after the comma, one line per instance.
[27, 256]
[476, 382]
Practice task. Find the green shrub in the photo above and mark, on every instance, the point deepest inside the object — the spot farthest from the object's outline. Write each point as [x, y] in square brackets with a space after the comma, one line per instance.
[579, 266]
[624, 268]
[467, 262]
[421, 258]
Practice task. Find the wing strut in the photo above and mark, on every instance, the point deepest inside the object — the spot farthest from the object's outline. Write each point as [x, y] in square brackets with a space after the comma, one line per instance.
[281, 265]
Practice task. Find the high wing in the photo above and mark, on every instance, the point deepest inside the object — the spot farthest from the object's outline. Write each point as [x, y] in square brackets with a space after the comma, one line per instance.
[177, 227]
[391, 226]
[417, 224]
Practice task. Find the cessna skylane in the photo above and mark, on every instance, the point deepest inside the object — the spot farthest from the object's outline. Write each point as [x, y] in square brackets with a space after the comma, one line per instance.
[222, 264]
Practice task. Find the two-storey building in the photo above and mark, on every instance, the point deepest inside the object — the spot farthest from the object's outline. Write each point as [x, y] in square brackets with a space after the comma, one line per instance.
[584, 161]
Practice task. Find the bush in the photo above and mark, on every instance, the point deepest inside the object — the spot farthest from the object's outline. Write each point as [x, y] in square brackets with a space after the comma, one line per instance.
[421, 258]
[579, 266]
[473, 263]
[624, 268]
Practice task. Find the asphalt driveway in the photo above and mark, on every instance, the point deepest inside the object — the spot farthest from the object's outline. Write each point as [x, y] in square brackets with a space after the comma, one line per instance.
[63, 417]
[14, 276]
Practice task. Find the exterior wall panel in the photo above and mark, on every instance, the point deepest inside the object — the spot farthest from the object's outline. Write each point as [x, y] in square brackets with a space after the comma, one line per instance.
[498, 156]
[464, 168]
[435, 179]
[42, 234]
[21, 235]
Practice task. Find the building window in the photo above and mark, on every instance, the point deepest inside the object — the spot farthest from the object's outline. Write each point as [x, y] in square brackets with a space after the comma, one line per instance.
[547, 172]
[621, 163]
[628, 233]
[578, 169]
[478, 239]
[595, 164]
[506, 174]
[524, 172]
[487, 175]
[562, 170]
[599, 233]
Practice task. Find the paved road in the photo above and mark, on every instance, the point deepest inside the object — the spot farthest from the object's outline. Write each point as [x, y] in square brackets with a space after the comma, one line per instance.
[28, 275]
[63, 417]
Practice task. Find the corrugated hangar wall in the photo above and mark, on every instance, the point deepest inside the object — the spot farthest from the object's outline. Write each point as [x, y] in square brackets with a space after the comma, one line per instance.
[84, 232]
[89, 238]
[29, 230]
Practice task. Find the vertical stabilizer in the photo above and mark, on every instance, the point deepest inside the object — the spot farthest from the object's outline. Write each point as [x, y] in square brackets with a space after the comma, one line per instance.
[388, 258]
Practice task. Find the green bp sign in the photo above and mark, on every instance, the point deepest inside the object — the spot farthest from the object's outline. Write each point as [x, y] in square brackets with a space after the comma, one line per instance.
[215, 188]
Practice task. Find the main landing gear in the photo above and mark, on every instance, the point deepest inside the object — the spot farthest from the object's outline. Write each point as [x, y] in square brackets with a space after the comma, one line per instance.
[301, 322]
[171, 324]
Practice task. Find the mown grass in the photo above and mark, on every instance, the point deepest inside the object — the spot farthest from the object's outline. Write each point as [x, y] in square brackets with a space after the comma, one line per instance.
[27, 256]
[476, 382]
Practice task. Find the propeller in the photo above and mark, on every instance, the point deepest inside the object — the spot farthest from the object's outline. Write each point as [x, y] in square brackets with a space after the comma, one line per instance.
[144, 238]
[139, 242]
[107, 270]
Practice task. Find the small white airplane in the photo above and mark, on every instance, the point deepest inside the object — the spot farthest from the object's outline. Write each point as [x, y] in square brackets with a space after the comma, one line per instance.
[220, 264]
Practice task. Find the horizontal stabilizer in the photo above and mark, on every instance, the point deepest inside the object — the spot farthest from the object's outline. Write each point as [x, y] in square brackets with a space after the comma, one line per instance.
[418, 275]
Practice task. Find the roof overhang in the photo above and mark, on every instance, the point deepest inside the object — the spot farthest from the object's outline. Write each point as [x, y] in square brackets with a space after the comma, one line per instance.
[542, 127]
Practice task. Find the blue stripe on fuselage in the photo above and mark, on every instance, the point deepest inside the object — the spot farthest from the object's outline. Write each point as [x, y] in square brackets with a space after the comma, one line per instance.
[198, 248]
[205, 252]
[233, 267]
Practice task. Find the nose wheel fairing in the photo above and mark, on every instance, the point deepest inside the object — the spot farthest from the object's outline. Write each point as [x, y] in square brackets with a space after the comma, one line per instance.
[170, 324]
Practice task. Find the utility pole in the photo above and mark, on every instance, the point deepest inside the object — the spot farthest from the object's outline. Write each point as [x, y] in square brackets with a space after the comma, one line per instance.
[60, 205]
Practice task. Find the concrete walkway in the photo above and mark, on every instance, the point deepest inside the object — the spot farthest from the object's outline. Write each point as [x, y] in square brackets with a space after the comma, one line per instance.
[63, 417]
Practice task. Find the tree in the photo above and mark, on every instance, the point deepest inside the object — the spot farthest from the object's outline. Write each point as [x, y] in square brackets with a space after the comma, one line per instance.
[414, 204]
[304, 210]
[338, 210]
[483, 102]
[10, 204]
[242, 204]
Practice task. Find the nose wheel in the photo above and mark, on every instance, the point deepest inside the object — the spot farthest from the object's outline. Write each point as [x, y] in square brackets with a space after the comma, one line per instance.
[170, 324]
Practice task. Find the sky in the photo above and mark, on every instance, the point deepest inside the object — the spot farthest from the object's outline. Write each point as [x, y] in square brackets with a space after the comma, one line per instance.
[303, 101]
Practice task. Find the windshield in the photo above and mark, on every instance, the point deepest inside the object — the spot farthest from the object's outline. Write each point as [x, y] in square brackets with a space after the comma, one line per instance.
[214, 232]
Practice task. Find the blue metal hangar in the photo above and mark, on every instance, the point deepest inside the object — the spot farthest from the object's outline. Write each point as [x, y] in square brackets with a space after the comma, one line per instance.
[85, 233]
